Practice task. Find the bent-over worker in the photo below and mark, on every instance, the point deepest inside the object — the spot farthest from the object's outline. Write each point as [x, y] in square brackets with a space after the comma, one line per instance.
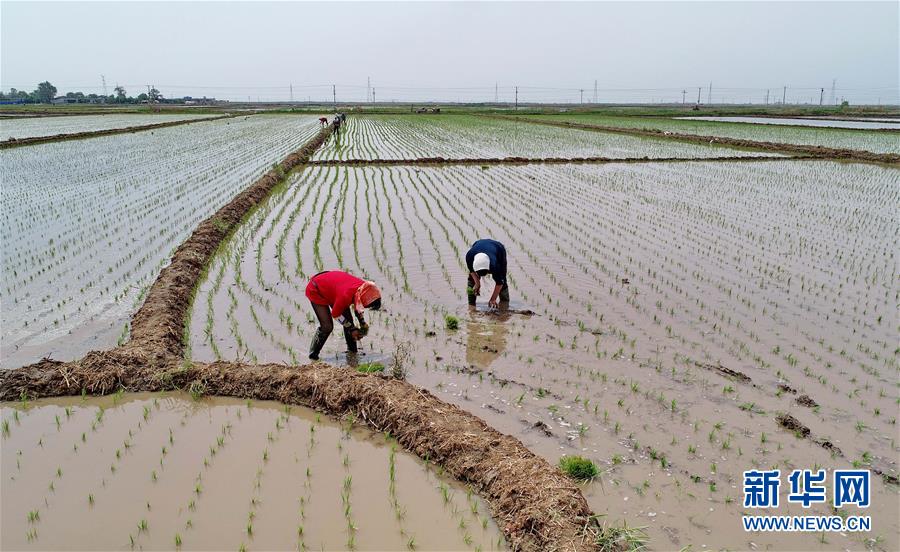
[331, 294]
[487, 257]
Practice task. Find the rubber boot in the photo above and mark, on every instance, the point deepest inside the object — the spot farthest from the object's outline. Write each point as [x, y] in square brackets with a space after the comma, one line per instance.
[318, 342]
[351, 343]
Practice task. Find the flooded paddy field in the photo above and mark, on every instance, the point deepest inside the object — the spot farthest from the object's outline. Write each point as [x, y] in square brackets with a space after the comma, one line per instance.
[877, 141]
[468, 136]
[675, 322]
[150, 472]
[87, 224]
[48, 126]
[874, 124]
[678, 311]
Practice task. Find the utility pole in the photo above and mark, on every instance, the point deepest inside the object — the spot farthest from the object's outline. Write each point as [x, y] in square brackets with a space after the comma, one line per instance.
[833, 83]
[582, 95]
[784, 95]
[709, 95]
[767, 96]
[683, 92]
[103, 79]
[698, 95]
[517, 98]
[368, 89]
[496, 92]
[595, 90]
[334, 94]
[373, 96]
[821, 95]
[292, 92]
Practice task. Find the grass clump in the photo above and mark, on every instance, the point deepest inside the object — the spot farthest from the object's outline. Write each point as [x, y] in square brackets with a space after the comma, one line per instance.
[370, 367]
[578, 468]
[221, 225]
[624, 538]
[451, 322]
[197, 390]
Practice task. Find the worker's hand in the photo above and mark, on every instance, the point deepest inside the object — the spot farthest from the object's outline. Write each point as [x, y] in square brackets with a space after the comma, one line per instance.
[356, 334]
[477, 287]
[492, 302]
[363, 330]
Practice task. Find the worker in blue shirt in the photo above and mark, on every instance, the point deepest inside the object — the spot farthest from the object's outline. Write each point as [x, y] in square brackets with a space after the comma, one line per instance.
[487, 257]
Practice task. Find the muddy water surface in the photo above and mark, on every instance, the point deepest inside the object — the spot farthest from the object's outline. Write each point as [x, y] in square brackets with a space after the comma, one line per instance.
[152, 471]
[88, 224]
[670, 303]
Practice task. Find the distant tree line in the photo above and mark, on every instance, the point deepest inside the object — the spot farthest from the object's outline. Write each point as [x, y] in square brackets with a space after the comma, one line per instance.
[46, 93]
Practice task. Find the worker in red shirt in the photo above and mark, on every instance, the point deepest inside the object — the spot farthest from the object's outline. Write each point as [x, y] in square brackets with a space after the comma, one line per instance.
[331, 294]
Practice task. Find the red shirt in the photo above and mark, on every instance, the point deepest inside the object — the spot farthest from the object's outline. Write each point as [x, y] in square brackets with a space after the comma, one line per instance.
[334, 288]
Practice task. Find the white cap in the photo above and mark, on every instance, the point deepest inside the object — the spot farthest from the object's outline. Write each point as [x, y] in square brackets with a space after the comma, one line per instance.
[481, 262]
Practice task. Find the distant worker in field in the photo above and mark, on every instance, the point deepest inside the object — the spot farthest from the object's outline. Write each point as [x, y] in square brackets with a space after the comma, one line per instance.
[483, 258]
[332, 293]
[323, 121]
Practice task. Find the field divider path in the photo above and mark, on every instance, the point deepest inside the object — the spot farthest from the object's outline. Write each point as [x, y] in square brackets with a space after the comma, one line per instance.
[469, 161]
[32, 140]
[535, 504]
[820, 152]
[158, 325]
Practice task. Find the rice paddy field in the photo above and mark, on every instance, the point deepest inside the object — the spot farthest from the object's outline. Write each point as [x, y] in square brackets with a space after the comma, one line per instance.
[468, 136]
[878, 141]
[873, 124]
[670, 316]
[88, 224]
[164, 472]
[28, 127]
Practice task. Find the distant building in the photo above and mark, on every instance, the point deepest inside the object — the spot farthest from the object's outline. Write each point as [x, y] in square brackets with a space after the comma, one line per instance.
[190, 100]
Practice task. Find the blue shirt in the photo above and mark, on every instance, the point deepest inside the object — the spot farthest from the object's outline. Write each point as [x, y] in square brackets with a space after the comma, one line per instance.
[496, 254]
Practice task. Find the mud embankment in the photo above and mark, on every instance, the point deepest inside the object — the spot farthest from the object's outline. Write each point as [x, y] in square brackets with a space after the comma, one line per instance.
[16, 142]
[487, 161]
[536, 506]
[819, 152]
[158, 325]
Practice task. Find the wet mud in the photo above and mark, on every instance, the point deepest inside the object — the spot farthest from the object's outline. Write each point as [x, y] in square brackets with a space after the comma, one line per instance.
[486, 161]
[727, 372]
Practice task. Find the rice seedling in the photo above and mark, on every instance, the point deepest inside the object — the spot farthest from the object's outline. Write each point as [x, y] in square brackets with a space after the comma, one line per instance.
[578, 468]
[370, 367]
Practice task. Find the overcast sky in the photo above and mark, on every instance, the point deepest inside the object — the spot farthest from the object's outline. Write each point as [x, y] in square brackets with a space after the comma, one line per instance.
[638, 51]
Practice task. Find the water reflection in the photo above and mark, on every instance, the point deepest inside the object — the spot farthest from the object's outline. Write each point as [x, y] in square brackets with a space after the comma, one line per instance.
[486, 336]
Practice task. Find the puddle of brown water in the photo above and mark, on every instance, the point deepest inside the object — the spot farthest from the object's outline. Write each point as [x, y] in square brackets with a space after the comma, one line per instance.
[611, 369]
[219, 474]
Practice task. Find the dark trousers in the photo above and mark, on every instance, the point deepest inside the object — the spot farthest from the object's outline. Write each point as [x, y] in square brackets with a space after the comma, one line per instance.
[470, 291]
[326, 326]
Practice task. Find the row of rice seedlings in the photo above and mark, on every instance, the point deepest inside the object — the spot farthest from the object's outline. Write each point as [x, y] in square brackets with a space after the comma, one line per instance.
[77, 286]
